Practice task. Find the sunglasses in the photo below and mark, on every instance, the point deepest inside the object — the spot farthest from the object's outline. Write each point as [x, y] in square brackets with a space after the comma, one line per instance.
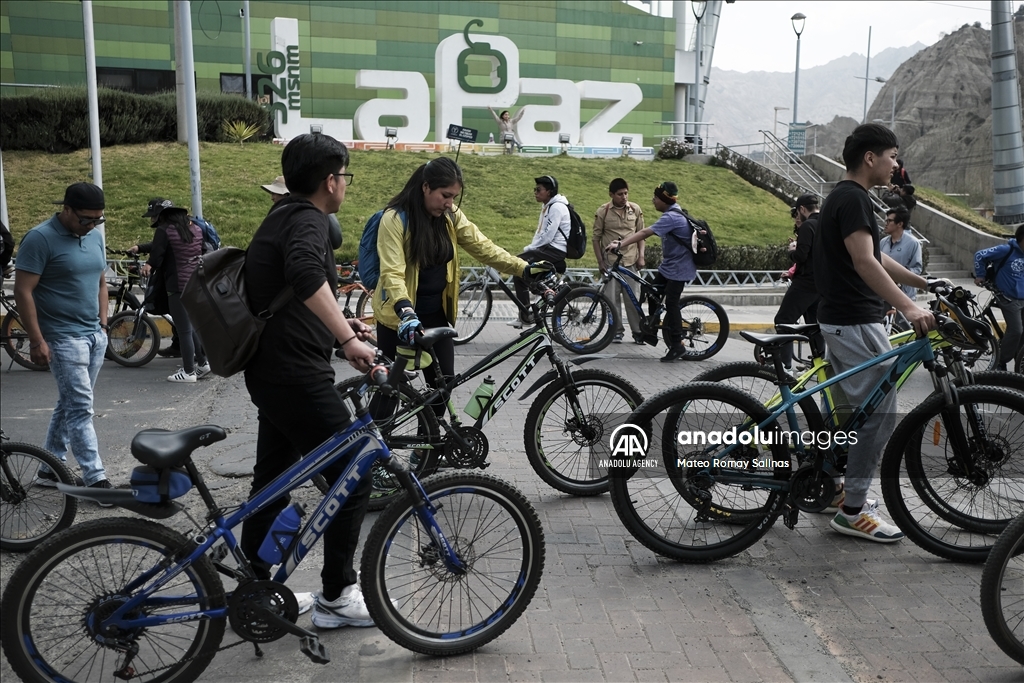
[87, 221]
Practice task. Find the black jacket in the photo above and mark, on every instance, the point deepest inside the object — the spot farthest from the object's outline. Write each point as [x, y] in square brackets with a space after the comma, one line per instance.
[801, 256]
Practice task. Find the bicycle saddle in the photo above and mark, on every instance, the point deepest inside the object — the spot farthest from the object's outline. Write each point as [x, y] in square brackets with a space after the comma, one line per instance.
[772, 340]
[430, 337]
[161, 448]
[805, 329]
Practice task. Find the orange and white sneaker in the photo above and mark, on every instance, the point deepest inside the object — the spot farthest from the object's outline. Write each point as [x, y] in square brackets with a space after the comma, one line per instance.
[867, 524]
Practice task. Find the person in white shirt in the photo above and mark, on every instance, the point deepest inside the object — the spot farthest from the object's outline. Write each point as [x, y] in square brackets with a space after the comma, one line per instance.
[549, 240]
[901, 246]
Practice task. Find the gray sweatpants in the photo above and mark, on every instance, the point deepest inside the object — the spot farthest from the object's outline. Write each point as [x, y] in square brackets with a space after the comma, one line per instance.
[847, 346]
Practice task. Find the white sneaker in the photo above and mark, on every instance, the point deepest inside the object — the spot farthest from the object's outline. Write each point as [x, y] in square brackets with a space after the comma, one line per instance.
[868, 524]
[202, 370]
[182, 376]
[305, 601]
[347, 610]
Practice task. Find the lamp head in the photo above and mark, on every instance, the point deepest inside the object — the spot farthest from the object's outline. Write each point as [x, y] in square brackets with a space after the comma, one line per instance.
[798, 20]
[698, 9]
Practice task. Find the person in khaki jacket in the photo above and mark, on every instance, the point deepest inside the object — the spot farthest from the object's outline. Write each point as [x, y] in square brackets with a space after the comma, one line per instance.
[417, 243]
[617, 220]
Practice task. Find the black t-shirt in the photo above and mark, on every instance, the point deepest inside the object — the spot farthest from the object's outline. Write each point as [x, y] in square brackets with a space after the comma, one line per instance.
[803, 255]
[845, 298]
[291, 247]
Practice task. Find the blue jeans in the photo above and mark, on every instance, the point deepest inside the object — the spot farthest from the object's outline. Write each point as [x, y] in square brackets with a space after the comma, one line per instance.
[75, 363]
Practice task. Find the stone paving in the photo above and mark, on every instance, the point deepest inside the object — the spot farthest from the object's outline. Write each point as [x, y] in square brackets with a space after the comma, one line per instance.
[800, 605]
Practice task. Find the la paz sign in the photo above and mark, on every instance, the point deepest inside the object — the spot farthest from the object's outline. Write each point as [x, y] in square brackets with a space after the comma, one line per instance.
[454, 92]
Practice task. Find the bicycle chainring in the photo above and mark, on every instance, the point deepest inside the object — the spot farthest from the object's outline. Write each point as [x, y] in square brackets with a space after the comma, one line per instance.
[245, 610]
[474, 456]
[812, 490]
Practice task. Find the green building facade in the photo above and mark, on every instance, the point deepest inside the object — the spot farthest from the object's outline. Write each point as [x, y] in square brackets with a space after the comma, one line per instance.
[41, 43]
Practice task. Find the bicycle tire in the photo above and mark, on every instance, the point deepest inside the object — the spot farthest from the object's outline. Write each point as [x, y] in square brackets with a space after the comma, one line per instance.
[563, 454]
[475, 302]
[1002, 591]
[16, 342]
[761, 382]
[652, 508]
[112, 553]
[583, 320]
[132, 341]
[417, 602]
[364, 305]
[129, 302]
[30, 513]
[931, 501]
[701, 316]
[1018, 364]
[986, 359]
[385, 488]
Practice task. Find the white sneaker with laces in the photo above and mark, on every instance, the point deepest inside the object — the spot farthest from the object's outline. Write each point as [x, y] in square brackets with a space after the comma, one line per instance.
[347, 610]
[202, 370]
[868, 524]
[182, 376]
[306, 601]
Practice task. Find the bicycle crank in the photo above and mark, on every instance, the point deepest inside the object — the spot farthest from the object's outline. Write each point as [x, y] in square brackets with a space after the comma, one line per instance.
[473, 450]
[812, 490]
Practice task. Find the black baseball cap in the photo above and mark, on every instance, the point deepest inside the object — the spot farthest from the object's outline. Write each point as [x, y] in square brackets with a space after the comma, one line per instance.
[83, 196]
[548, 181]
[806, 200]
[156, 205]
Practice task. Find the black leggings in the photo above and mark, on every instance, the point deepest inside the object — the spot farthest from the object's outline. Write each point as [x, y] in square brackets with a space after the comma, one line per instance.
[387, 342]
[673, 322]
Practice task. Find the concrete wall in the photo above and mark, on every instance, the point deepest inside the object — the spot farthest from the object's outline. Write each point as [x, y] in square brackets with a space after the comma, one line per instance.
[956, 238]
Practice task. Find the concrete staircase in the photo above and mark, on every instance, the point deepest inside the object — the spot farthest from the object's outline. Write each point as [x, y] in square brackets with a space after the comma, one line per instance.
[942, 264]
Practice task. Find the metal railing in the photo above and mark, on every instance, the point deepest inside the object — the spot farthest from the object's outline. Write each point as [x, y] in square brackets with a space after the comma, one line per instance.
[705, 278]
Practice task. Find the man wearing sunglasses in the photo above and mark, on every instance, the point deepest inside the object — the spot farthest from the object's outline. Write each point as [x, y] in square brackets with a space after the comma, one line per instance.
[62, 298]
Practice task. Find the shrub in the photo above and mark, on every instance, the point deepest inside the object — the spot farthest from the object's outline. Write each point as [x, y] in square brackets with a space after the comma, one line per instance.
[674, 148]
[747, 257]
[239, 131]
[57, 119]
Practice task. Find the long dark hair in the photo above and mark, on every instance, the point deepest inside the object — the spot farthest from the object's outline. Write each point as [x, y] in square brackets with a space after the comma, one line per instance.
[178, 219]
[429, 244]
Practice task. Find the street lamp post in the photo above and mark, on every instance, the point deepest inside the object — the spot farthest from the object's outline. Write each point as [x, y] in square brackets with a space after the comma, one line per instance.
[775, 128]
[698, 13]
[798, 20]
[892, 111]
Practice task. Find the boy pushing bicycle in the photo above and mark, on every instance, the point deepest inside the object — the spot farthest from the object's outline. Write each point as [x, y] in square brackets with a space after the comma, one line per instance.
[854, 278]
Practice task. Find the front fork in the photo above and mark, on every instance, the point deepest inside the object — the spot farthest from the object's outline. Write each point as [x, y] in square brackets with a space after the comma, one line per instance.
[425, 510]
[960, 461]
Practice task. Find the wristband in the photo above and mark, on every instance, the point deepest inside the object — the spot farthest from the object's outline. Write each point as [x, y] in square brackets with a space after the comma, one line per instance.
[347, 341]
[105, 327]
[34, 346]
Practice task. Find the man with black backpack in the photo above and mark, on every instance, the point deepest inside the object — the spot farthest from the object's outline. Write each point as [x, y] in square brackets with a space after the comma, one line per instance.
[1003, 265]
[677, 265]
[550, 239]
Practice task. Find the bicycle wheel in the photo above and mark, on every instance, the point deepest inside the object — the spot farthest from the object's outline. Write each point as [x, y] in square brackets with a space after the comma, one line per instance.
[412, 438]
[57, 597]
[421, 604]
[16, 342]
[363, 304]
[132, 340]
[705, 327]
[677, 503]
[31, 512]
[583, 320]
[1018, 364]
[564, 449]
[475, 301]
[1002, 591]
[934, 500]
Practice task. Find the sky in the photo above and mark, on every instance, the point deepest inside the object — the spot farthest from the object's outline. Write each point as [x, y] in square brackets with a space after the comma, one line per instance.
[757, 35]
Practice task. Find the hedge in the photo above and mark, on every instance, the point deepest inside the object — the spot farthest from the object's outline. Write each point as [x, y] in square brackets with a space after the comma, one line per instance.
[746, 257]
[57, 119]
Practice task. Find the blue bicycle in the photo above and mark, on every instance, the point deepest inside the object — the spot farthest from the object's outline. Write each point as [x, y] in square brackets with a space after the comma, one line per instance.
[446, 568]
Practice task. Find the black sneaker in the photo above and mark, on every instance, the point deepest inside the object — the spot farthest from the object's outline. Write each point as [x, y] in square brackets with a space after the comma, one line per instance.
[170, 352]
[102, 484]
[674, 354]
[50, 480]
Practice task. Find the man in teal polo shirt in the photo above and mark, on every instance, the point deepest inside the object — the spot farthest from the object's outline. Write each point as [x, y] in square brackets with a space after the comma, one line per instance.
[62, 298]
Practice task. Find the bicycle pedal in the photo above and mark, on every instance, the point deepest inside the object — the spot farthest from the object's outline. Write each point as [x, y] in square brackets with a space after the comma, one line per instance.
[790, 517]
[314, 649]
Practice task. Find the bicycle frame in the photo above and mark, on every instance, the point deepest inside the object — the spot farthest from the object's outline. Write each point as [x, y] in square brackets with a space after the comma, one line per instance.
[361, 440]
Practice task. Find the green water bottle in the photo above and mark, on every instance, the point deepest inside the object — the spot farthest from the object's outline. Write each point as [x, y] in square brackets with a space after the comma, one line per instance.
[480, 398]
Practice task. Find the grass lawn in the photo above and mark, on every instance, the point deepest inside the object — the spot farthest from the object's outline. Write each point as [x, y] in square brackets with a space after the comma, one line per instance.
[498, 195]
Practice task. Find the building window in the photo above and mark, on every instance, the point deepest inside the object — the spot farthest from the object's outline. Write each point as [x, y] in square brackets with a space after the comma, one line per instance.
[234, 84]
[142, 81]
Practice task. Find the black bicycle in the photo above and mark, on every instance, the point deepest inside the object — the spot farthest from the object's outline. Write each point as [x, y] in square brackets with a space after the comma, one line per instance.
[14, 335]
[31, 507]
[1002, 590]
[572, 416]
[705, 322]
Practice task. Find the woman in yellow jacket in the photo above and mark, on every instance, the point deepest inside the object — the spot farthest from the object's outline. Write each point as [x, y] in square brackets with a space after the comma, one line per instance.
[417, 243]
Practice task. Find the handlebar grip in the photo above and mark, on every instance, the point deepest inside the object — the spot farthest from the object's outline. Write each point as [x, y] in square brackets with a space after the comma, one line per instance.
[379, 375]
